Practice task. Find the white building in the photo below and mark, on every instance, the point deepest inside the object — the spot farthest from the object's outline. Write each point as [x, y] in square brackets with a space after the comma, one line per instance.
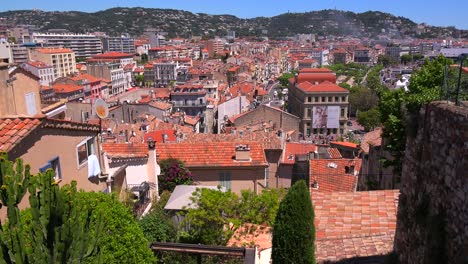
[84, 45]
[43, 71]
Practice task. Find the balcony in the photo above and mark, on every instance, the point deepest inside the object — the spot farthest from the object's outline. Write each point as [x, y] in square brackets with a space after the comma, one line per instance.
[140, 197]
[189, 104]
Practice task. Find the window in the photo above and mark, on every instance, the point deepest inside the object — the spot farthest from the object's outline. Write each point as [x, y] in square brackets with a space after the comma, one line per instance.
[225, 180]
[323, 98]
[84, 149]
[31, 103]
[343, 98]
[337, 99]
[308, 112]
[342, 112]
[316, 99]
[53, 164]
[309, 99]
[329, 99]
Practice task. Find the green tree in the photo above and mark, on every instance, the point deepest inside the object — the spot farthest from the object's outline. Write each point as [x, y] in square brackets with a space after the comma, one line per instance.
[284, 79]
[157, 225]
[396, 107]
[294, 231]
[386, 60]
[369, 119]
[63, 225]
[362, 99]
[406, 58]
[140, 79]
[218, 214]
[173, 173]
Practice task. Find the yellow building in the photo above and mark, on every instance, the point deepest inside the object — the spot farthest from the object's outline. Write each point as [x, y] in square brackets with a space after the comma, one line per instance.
[63, 60]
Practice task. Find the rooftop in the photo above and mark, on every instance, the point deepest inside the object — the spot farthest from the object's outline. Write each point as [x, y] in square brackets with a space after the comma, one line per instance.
[212, 154]
[354, 224]
[334, 175]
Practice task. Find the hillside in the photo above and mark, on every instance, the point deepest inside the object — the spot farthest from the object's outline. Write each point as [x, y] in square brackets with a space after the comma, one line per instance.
[133, 21]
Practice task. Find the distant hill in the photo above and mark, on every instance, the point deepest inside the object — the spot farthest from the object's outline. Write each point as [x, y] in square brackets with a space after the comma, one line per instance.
[116, 21]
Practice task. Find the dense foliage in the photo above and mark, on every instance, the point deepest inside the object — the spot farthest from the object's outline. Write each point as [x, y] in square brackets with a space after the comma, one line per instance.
[173, 173]
[218, 214]
[157, 224]
[64, 225]
[294, 231]
[369, 119]
[118, 21]
[398, 109]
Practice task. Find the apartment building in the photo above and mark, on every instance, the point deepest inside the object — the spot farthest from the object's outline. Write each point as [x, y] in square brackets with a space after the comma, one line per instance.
[161, 73]
[319, 102]
[189, 98]
[62, 59]
[118, 44]
[84, 45]
[41, 70]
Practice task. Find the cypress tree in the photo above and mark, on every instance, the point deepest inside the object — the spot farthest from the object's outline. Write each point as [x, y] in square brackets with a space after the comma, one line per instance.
[294, 231]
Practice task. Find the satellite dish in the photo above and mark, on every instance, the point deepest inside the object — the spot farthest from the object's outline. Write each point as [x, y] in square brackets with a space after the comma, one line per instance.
[101, 108]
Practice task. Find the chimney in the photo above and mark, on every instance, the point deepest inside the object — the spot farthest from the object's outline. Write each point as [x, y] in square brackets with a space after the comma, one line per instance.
[153, 169]
[242, 153]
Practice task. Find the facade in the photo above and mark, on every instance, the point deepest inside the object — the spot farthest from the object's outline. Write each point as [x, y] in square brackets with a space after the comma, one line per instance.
[62, 60]
[319, 102]
[43, 71]
[189, 98]
[19, 53]
[362, 55]
[84, 45]
[164, 73]
[19, 92]
[118, 44]
[394, 52]
[110, 72]
[33, 141]
[215, 46]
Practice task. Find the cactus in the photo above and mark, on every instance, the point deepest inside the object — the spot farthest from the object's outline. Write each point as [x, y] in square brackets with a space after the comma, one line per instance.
[63, 229]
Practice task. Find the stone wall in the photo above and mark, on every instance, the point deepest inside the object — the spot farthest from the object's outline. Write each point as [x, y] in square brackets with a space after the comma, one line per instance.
[432, 222]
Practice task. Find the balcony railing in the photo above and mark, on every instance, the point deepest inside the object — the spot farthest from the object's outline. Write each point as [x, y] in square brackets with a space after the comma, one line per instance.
[141, 198]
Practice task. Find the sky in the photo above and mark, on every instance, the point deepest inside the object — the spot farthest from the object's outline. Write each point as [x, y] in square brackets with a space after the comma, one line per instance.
[437, 13]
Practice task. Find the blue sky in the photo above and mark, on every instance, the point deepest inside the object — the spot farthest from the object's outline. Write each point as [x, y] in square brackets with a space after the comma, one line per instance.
[438, 13]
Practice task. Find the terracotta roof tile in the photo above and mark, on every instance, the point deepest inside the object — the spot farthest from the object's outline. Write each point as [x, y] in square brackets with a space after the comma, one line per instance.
[354, 224]
[324, 86]
[269, 139]
[12, 131]
[344, 144]
[249, 235]
[331, 176]
[125, 150]
[213, 154]
[372, 138]
[293, 149]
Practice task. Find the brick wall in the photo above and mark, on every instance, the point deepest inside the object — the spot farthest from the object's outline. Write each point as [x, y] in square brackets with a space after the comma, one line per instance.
[432, 222]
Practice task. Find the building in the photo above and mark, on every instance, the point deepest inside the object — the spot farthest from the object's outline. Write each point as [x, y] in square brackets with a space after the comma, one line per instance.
[118, 44]
[362, 55]
[62, 60]
[19, 92]
[319, 102]
[19, 53]
[161, 73]
[41, 70]
[189, 98]
[60, 145]
[393, 51]
[215, 46]
[230, 165]
[84, 45]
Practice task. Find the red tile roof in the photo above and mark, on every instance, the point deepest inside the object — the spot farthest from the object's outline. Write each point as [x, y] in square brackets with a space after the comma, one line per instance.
[38, 64]
[125, 150]
[250, 235]
[344, 144]
[324, 86]
[314, 77]
[160, 105]
[66, 88]
[157, 136]
[372, 138]
[331, 176]
[354, 224]
[315, 70]
[113, 55]
[12, 131]
[293, 149]
[212, 154]
[84, 76]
